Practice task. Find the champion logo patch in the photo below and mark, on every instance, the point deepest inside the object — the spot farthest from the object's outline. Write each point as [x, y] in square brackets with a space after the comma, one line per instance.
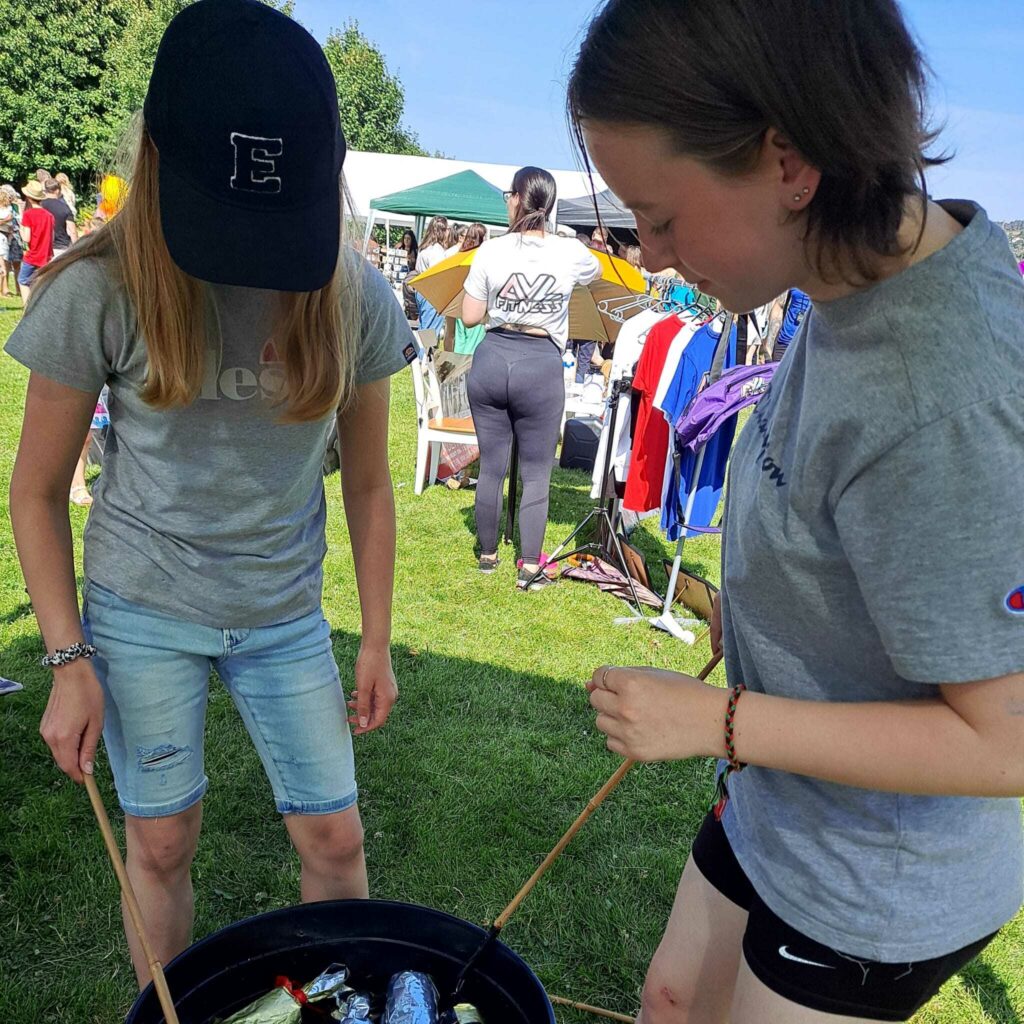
[1015, 601]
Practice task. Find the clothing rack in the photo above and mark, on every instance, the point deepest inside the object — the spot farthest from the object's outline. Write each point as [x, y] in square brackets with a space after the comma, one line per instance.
[616, 308]
[666, 620]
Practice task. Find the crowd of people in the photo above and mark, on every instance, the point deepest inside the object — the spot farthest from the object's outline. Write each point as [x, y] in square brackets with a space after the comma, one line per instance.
[771, 326]
[865, 841]
[37, 226]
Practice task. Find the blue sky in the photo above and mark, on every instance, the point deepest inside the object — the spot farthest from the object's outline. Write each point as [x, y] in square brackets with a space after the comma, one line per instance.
[484, 80]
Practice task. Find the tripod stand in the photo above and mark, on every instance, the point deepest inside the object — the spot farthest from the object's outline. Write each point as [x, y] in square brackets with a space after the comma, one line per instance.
[607, 543]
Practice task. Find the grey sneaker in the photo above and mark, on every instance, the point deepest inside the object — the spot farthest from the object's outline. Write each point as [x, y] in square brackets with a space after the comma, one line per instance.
[488, 565]
[523, 582]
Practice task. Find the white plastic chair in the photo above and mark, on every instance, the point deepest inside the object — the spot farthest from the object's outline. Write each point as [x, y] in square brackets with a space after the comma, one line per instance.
[432, 429]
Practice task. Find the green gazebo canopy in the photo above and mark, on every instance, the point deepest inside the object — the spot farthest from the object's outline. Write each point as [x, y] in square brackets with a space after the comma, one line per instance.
[463, 196]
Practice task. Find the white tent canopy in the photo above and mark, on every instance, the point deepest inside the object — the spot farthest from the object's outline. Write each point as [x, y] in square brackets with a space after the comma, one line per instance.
[370, 175]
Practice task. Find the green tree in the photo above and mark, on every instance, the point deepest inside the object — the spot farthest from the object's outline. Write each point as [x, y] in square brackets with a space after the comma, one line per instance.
[71, 76]
[123, 91]
[372, 99]
[52, 59]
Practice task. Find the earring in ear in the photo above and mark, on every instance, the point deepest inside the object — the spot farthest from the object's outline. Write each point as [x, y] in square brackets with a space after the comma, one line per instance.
[796, 199]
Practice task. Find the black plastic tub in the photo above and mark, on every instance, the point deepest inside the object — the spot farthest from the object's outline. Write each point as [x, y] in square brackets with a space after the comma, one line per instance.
[373, 938]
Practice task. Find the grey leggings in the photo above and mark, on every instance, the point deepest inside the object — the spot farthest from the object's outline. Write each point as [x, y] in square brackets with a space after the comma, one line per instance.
[515, 388]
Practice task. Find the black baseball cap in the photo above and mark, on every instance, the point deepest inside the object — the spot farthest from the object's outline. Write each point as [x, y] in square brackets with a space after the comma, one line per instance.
[243, 110]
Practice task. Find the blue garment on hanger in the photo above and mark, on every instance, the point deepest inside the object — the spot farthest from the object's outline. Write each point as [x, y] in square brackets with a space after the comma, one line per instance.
[694, 363]
[797, 305]
[680, 293]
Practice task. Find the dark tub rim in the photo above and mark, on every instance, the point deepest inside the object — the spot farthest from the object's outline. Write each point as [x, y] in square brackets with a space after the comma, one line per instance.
[224, 934]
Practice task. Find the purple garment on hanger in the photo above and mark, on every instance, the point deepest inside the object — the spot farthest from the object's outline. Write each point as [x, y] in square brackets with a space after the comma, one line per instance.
[733, 391]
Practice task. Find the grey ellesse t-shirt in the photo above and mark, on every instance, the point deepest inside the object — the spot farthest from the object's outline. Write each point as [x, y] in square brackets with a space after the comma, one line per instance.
[874, 540]
[213, 513]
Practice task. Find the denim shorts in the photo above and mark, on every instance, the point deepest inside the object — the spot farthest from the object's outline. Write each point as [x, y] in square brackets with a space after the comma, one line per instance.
[155, 672]
[27, 272]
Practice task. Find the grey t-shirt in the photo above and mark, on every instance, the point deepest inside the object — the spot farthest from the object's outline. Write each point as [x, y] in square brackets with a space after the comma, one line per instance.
[874, 538]
[213, 513]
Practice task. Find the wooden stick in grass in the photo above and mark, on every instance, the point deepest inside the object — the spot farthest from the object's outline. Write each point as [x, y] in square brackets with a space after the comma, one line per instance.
[595, 802]
[159, 981]
[586, 1008]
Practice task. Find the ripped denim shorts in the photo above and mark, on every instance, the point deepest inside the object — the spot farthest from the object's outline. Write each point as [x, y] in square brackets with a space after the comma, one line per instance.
[155, 672]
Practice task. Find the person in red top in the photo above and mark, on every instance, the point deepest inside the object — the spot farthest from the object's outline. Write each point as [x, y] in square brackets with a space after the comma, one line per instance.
[37, 234]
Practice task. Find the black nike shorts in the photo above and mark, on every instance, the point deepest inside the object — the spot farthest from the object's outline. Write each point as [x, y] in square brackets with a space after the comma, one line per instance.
[811, 974]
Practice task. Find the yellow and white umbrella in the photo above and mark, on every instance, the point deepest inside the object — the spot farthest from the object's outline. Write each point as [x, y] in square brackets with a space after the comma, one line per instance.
[442, 286]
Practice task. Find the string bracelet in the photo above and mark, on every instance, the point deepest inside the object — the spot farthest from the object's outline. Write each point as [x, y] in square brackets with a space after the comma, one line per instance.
[734, 764]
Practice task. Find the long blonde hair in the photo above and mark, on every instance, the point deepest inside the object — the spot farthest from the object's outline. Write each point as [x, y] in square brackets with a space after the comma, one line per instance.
[315, 333]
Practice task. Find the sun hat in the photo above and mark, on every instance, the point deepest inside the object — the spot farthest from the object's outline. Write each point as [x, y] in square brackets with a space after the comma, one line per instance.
[243, 110]
[34, 190]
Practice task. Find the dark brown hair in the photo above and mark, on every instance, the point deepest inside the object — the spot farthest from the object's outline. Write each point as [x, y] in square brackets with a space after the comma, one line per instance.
[475, 236]
[456, 232]
[842, 80]
[414, 248]
[537, 194]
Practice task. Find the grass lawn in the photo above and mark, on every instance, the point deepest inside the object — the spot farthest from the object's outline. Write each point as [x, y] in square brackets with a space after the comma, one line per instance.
[490, 754]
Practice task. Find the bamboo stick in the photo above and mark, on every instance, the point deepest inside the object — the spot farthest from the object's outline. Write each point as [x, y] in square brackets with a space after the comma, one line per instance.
[592, 805]
[495, 930]
[586, 1008]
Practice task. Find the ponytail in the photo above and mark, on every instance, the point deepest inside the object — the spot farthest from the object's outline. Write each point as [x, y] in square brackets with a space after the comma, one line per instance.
[537, 194]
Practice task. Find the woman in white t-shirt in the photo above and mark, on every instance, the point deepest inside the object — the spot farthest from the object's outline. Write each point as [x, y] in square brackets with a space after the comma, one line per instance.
[432, 250]
[522, 282]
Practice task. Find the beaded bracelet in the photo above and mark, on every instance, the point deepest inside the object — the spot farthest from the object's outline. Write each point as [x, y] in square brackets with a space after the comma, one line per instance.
[68, 654]
[734, 765]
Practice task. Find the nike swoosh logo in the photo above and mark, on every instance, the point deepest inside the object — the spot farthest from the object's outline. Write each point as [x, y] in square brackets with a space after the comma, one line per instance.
[786, 955]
